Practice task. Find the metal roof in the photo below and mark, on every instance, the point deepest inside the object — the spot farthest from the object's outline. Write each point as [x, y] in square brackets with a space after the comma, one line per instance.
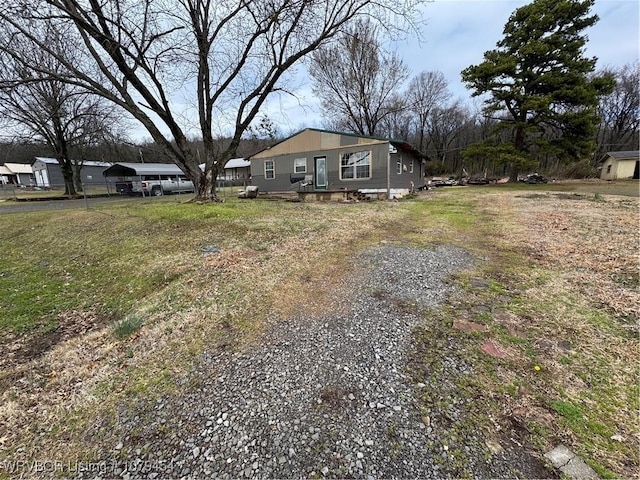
[395, 142]
[135, 169]
[237, 163]
[19, 168]
[84, 163]
[628, 154]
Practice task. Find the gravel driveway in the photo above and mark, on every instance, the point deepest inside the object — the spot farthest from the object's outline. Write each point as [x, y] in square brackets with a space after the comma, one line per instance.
[319, 397]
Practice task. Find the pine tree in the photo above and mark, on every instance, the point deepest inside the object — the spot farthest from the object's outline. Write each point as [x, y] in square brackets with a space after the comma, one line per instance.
[540, 85]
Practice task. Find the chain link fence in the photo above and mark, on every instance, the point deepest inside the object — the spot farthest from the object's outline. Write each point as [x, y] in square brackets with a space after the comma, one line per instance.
[93, 191]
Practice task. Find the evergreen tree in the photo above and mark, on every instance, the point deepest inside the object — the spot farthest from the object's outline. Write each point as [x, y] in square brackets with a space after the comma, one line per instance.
[540, 86]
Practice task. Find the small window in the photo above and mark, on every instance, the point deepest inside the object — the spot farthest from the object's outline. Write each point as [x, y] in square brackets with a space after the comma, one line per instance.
[399, 166]
[411, 166]
[300, 165]
[609, 168]
[269, 169]
[355, 165]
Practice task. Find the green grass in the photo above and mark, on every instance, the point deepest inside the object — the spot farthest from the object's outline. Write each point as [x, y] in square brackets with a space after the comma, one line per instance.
[126, 327]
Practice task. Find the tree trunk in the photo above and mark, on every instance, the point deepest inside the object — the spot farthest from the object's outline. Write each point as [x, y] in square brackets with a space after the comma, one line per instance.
[514, 171]
[77, 178]
[67, 174]
[518, 143]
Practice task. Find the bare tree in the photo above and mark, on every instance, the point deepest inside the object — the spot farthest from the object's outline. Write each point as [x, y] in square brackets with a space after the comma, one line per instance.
[356, 79]
[397, 123]
[444, 126]
[143, 55]
[38, 107]
[619, 111]
[427, 91]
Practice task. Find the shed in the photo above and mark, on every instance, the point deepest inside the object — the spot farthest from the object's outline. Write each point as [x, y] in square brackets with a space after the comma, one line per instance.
[323, 161]
[48, 172]
[620, 165]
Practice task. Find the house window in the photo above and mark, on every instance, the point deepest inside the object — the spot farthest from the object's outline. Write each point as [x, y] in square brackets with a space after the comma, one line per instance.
[411, 166]
[300, 165]
[269, 169]
[355, 165]
[609, 168]
[399, 166]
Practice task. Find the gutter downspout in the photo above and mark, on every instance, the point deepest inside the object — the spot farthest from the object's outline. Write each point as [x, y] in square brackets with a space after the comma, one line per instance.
[389, 172]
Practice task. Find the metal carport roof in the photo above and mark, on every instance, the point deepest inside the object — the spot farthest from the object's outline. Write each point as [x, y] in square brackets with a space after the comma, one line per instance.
[135, 169]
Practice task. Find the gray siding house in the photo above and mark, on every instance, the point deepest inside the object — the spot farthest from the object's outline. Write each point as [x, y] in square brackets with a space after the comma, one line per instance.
[324, 161]
[48, 173]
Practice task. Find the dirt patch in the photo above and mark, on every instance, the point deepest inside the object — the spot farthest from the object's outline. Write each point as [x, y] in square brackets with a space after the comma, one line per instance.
[19, 349]
[494, 349]
[466, 326]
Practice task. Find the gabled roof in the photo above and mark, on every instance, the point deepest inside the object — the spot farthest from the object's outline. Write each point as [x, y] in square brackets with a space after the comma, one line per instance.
[401, 144]
[135, 169]
[16, 168]
[85, 163]
[623, 155]
[5, 171]
[237, 163]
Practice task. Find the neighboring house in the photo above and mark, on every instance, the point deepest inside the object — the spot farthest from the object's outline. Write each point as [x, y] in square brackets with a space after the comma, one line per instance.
[325, 161]
[6, 175]
[17, 174]
[620, 165]
[48, 172]
[236, 169]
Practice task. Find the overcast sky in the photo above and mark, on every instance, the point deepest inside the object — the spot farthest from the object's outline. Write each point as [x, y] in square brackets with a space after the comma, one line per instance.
[457, 34]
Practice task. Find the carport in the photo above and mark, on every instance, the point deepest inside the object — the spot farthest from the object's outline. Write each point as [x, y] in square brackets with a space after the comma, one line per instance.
[120, 175]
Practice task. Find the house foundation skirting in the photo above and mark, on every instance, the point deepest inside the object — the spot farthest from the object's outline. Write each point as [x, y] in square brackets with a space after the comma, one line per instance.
[346, 195]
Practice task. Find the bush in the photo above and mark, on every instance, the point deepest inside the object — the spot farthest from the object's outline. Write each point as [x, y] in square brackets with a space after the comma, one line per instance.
[582, 169]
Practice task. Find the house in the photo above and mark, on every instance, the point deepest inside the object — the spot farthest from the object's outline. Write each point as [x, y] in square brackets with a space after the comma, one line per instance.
[620, 165]
[236, 169]
[17, 174]
[48, 172]
[322, 162]
[6, 175]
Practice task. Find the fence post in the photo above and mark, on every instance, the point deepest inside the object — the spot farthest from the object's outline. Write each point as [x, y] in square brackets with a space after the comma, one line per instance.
[84, 192]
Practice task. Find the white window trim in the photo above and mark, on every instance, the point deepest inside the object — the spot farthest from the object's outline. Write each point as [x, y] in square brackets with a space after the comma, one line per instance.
[271, 169]
[354, 167]
[411, 166]
[399, 165]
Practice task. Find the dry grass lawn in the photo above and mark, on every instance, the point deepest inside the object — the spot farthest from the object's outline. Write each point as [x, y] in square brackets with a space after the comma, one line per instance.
[563, 306]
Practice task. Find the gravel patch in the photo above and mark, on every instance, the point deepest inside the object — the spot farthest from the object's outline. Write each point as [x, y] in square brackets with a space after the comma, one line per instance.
[319, 397]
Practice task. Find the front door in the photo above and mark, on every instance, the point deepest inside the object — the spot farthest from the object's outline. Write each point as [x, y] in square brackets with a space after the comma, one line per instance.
[320, 167]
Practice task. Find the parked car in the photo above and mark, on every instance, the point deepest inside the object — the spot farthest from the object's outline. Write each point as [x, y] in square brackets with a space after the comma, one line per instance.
[157, 185]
